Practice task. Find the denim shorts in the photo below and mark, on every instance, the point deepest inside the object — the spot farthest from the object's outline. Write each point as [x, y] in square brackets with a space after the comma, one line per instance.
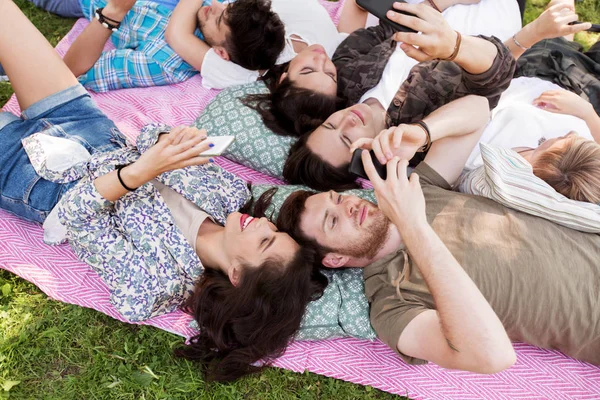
[69, 114]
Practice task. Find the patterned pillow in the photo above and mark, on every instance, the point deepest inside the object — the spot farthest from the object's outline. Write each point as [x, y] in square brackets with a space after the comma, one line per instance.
[255, 145]
[343, 310]
[508, 179]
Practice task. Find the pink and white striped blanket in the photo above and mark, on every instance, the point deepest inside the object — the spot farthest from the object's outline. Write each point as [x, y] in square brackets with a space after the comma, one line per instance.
[55, 270]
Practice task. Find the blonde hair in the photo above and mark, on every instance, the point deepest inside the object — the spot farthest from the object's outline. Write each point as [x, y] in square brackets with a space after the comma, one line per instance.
[573, 169]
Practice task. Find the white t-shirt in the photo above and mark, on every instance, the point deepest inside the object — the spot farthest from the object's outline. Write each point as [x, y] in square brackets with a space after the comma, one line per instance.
[489, 17]
[304, 20]
[500, 18]
[518, 123]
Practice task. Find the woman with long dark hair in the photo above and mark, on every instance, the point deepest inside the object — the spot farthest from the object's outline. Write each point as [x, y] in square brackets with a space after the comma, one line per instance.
[157, 225]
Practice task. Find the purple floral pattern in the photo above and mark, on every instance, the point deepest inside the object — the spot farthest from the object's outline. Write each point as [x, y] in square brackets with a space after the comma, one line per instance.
[133, 243]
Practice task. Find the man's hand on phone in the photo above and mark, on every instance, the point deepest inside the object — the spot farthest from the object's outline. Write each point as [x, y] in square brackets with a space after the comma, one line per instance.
[399, 198]
[437, 39]
[398, 141]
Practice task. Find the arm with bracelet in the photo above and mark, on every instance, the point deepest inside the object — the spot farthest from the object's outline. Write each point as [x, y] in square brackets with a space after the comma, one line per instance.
[88, 47]
[457, 118]
[555, 21]
[438, 41]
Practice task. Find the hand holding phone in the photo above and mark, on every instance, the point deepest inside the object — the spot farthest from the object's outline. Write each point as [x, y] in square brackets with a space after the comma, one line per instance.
[379, 8]
[594, 27]
[357, 168]
[437, 39]
[220, 144]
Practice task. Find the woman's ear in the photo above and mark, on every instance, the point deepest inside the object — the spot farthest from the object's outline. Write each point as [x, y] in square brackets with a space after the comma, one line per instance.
[234, 274]
[282, 77]
[221, 52]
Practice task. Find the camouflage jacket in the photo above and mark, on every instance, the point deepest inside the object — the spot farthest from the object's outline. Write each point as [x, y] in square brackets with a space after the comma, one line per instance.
[362, 57]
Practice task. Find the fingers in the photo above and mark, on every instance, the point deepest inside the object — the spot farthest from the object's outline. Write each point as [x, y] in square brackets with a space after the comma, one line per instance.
[412, 39]
[409, 21]
[384, 139]
[396, 170]
[190, 145]
[422, 12]
[576, 28]
[176, 135]
[397, 138]
[376, 146]
[362, 143]
[571, 17]
[414, 53]
[370, 169]
[415, 179]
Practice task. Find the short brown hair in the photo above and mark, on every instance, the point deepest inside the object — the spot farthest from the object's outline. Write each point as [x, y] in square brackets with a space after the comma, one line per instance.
[574, 170]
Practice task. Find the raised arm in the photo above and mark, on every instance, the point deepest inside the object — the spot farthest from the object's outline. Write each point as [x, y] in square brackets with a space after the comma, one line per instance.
[180, 33]
[464, 333]
[456, 126]
[353, 17]
[178, 149]
[565, 102]
[437, 40]
[552, 23]
[95, 234]
[87, 48]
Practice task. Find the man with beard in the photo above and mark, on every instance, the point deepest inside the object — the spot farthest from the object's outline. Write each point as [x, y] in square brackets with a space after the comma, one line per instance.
[246, 32]
[455, 281]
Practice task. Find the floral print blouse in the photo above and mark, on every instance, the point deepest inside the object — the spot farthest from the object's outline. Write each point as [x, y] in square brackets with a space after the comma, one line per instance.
[133, 243]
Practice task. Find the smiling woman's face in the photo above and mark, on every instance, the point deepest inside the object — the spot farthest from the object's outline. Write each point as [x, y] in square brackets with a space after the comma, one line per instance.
[313, 70]
[253, 241]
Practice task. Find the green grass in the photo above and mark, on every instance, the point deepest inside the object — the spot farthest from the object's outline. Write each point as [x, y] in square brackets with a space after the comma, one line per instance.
[588, 11]
[51, 350]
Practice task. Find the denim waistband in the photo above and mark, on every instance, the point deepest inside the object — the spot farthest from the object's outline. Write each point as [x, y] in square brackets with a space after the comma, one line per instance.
[53, 101]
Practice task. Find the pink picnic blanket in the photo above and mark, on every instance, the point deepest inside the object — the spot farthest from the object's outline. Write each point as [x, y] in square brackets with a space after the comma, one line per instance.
[55, 270]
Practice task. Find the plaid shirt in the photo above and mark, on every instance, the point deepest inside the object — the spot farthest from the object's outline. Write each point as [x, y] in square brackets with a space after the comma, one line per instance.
[142, 56]
[362, 57]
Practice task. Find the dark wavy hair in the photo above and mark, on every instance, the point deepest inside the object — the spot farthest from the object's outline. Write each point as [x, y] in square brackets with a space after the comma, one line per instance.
[255, 321]
[302, 166]
[257, 34]
[289, 110]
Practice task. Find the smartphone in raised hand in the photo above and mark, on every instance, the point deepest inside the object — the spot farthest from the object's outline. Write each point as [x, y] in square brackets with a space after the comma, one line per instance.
[594, 28]
[357, 168]
[379, 8]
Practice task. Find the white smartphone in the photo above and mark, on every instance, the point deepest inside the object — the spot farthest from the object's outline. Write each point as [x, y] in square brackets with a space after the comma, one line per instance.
[221, 143]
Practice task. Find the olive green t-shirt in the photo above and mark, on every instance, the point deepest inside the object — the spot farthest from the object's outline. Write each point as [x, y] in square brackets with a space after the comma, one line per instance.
[541, 279]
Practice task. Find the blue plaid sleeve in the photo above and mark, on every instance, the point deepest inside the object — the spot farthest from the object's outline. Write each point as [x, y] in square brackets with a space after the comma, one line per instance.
[123, 68]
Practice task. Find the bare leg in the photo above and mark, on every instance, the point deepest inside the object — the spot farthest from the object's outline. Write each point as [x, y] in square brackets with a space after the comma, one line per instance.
[35, 70]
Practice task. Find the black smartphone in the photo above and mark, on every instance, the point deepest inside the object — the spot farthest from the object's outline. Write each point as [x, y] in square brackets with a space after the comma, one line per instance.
[379, 8]
[594, 28]
[356, 165]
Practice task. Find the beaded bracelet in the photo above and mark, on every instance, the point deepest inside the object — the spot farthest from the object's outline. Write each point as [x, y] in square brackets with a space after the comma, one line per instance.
[106, 22]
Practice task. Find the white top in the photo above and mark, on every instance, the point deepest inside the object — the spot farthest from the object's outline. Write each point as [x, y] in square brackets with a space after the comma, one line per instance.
[395, 73]
[517, 123]
[500, 18]
[187, 215]
[489, 17]
[304, 20]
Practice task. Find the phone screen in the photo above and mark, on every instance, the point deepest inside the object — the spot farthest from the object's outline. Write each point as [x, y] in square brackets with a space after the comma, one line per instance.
[221, 143]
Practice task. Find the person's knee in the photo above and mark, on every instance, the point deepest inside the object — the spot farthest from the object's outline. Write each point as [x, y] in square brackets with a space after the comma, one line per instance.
[64, 8]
